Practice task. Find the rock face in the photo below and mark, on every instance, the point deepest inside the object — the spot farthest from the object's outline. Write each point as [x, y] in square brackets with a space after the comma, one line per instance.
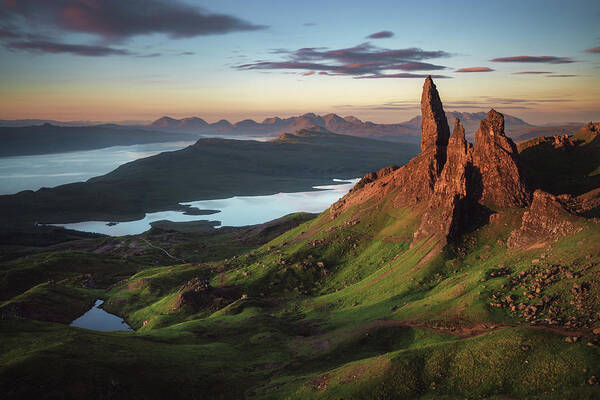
[417, 179]
[453, 182]
[448, 206]
[497, 179]
[546, 219]
[434, 126]
[198, 294]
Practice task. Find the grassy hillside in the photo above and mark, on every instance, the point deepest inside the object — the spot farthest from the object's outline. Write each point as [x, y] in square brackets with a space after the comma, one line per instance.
[327, 308]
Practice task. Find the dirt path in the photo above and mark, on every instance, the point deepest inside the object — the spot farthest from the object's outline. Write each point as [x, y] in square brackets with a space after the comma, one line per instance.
[163, 250]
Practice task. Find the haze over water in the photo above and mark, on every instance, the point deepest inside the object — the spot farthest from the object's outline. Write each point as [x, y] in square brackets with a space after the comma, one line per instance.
[235, 211]
[49, 170]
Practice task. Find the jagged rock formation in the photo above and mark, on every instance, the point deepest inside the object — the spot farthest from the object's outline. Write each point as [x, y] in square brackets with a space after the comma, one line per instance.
[496, 166]
[448, 206]
[417, 179]
[451, 181]
[546, 219]
[414, 183]
[434, 127]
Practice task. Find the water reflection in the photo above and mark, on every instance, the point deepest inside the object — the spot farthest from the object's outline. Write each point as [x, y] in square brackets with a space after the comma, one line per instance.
[99, 320]
[235, 211]
[49, 170]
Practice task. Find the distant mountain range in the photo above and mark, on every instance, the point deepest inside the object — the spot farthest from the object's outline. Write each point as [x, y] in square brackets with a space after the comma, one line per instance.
[408, 131]
[275, 126]
[36, 136]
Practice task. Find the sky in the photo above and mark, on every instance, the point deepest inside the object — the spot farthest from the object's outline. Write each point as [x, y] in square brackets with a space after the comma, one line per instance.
[137, 60]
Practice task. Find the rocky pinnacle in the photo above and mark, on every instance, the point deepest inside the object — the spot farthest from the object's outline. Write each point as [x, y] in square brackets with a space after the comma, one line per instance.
[447, 208]
[434, 126]
[496, 162]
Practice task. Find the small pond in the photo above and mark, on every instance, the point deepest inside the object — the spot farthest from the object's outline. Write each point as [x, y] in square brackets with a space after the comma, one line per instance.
[97, 319]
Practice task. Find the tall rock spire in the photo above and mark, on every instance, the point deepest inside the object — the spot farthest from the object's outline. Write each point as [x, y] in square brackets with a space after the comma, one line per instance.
[455, 184]
[495, 158]
[448, 207]
[434, 125]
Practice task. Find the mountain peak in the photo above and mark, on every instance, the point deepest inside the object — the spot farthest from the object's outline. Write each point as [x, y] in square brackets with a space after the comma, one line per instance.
[352, 119]
[164, 122]
[314, 130]
[271, 120]
[222, 123]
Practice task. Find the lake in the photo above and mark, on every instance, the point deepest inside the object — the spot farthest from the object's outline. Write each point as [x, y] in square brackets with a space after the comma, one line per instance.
[234, 211]
[48, 170]
[99, 320]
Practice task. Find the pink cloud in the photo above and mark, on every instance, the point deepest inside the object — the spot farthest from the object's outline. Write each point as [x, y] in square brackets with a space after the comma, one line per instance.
[475, 69]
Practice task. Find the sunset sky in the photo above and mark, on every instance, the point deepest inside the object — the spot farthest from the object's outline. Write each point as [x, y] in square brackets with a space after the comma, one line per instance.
[138, 60]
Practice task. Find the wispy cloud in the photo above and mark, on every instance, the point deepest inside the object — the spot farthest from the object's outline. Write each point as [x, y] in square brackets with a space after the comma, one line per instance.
[57, 48]
[41, 26]
[475, 69]
[477, 103]
[7, 33]
[561, 76]
[401, 75]
[531, 73]
[381, 35]
[117, 20]
[362, 60]
[593, 50]
[535, 59]
[151, 55]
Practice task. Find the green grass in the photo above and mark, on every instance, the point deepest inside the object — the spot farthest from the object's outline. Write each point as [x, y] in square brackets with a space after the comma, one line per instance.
[344, 308]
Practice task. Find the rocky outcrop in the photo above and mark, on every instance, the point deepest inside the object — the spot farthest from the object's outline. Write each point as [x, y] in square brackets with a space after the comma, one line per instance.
[417, 179]
[497, 178]
[373, 176]
[448, 206]
[547, 219]
[434, 126]
[455, 183]
[198, 294]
